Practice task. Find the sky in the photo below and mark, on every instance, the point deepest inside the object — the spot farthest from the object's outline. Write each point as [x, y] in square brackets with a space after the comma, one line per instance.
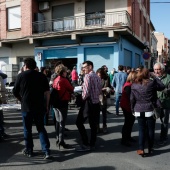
[160, 16]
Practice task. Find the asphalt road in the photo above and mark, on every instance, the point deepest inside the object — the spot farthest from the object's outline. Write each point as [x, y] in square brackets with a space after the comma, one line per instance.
[109, 153]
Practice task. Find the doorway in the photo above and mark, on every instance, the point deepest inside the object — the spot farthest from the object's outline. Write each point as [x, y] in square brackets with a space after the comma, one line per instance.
[68, 62]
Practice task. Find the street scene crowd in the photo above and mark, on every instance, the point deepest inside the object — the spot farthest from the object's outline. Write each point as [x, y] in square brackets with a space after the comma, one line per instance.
[141, 93]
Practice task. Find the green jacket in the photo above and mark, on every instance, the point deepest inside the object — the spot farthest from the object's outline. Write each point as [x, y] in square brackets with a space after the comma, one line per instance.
[164, 96]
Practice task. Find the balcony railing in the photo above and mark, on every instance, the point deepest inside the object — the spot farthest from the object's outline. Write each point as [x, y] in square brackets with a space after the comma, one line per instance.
[91, 21]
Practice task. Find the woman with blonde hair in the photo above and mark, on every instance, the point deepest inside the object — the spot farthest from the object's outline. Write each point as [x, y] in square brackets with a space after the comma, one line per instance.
[64, 88]
[143, 100]
[126, 107]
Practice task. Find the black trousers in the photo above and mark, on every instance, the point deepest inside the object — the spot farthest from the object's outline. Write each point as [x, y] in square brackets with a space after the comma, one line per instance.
[93, 117]
[128, 124]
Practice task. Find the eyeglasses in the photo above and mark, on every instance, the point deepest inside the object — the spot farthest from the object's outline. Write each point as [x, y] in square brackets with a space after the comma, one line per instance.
[85, 66]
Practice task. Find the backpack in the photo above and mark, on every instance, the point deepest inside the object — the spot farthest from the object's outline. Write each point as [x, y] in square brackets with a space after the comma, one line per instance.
[55, 99]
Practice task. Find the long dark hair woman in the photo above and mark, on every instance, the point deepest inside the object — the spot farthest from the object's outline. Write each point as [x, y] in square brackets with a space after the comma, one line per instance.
[143, 100]
[103, 97]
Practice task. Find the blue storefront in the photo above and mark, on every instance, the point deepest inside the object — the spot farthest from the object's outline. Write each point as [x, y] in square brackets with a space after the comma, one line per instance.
[101, 50]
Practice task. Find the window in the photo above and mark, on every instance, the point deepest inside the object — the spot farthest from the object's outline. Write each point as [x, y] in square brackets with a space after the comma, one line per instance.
[148, 29]
[148, 6]
[127, 58]
[140, 17]
[57, 11]
[63, 20]
[144, 26]
[14, 18]
[144, 3]
[93, 6]
[95, 12]
[137, 60]
[4, 61]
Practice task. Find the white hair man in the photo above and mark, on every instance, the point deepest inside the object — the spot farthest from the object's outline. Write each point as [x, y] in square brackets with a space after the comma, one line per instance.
[164, 97]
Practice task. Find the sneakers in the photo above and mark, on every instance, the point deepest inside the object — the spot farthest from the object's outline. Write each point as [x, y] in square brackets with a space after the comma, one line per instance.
[47, 156]
[27, 153]
[83, 148]
[30, 154]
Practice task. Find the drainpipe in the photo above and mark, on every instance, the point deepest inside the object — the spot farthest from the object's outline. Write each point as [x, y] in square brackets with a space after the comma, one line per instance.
[133, 17]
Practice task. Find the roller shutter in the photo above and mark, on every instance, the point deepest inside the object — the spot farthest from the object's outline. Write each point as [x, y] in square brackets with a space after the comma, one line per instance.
[127, 58]
[100, 56]
[137, 60]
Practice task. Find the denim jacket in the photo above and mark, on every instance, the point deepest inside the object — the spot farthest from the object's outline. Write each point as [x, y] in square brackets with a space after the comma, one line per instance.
[119, 80]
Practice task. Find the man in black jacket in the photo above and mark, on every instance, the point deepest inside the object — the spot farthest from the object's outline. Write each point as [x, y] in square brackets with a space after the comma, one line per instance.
[30, 88]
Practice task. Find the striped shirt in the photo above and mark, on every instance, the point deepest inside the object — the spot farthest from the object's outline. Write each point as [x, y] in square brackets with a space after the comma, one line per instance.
[92, 87]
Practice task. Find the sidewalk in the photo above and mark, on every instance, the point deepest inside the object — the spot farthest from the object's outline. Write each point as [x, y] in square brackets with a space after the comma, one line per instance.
[109, 153]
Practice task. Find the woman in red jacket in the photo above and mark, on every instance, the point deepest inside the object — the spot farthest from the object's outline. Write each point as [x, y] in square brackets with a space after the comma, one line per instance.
[64, 90]
[126, 107]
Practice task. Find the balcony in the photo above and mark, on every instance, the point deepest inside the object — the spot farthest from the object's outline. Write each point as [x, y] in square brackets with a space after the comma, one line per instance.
[89, 22]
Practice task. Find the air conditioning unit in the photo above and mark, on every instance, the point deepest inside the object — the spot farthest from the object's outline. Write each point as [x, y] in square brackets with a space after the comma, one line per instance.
[44, 6]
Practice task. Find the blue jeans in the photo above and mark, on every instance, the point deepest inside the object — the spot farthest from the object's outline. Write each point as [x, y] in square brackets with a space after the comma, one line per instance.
[118, 96]
[38, 118]
[164, 125]
[146, 130]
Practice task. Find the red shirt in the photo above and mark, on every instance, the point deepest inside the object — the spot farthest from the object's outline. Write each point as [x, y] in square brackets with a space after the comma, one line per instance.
[74, 75]
[125, 98]
[64, 87]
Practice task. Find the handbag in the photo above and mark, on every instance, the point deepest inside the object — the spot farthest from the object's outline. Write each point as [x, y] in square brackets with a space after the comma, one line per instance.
[157, 112]
[55, 99]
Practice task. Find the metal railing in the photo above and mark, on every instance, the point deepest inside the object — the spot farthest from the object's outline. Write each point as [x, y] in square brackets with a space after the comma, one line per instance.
[90, 21]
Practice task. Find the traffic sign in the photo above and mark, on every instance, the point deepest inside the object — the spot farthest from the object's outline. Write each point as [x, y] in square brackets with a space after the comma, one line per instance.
[146, 56]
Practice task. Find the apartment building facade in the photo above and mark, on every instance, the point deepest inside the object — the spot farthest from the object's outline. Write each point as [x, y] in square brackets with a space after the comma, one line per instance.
[109, 32]
[162, 47]
[153, 47]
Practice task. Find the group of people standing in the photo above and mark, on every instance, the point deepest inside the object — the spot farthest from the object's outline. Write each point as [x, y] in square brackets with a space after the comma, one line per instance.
[141, 94]
[136, 91]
